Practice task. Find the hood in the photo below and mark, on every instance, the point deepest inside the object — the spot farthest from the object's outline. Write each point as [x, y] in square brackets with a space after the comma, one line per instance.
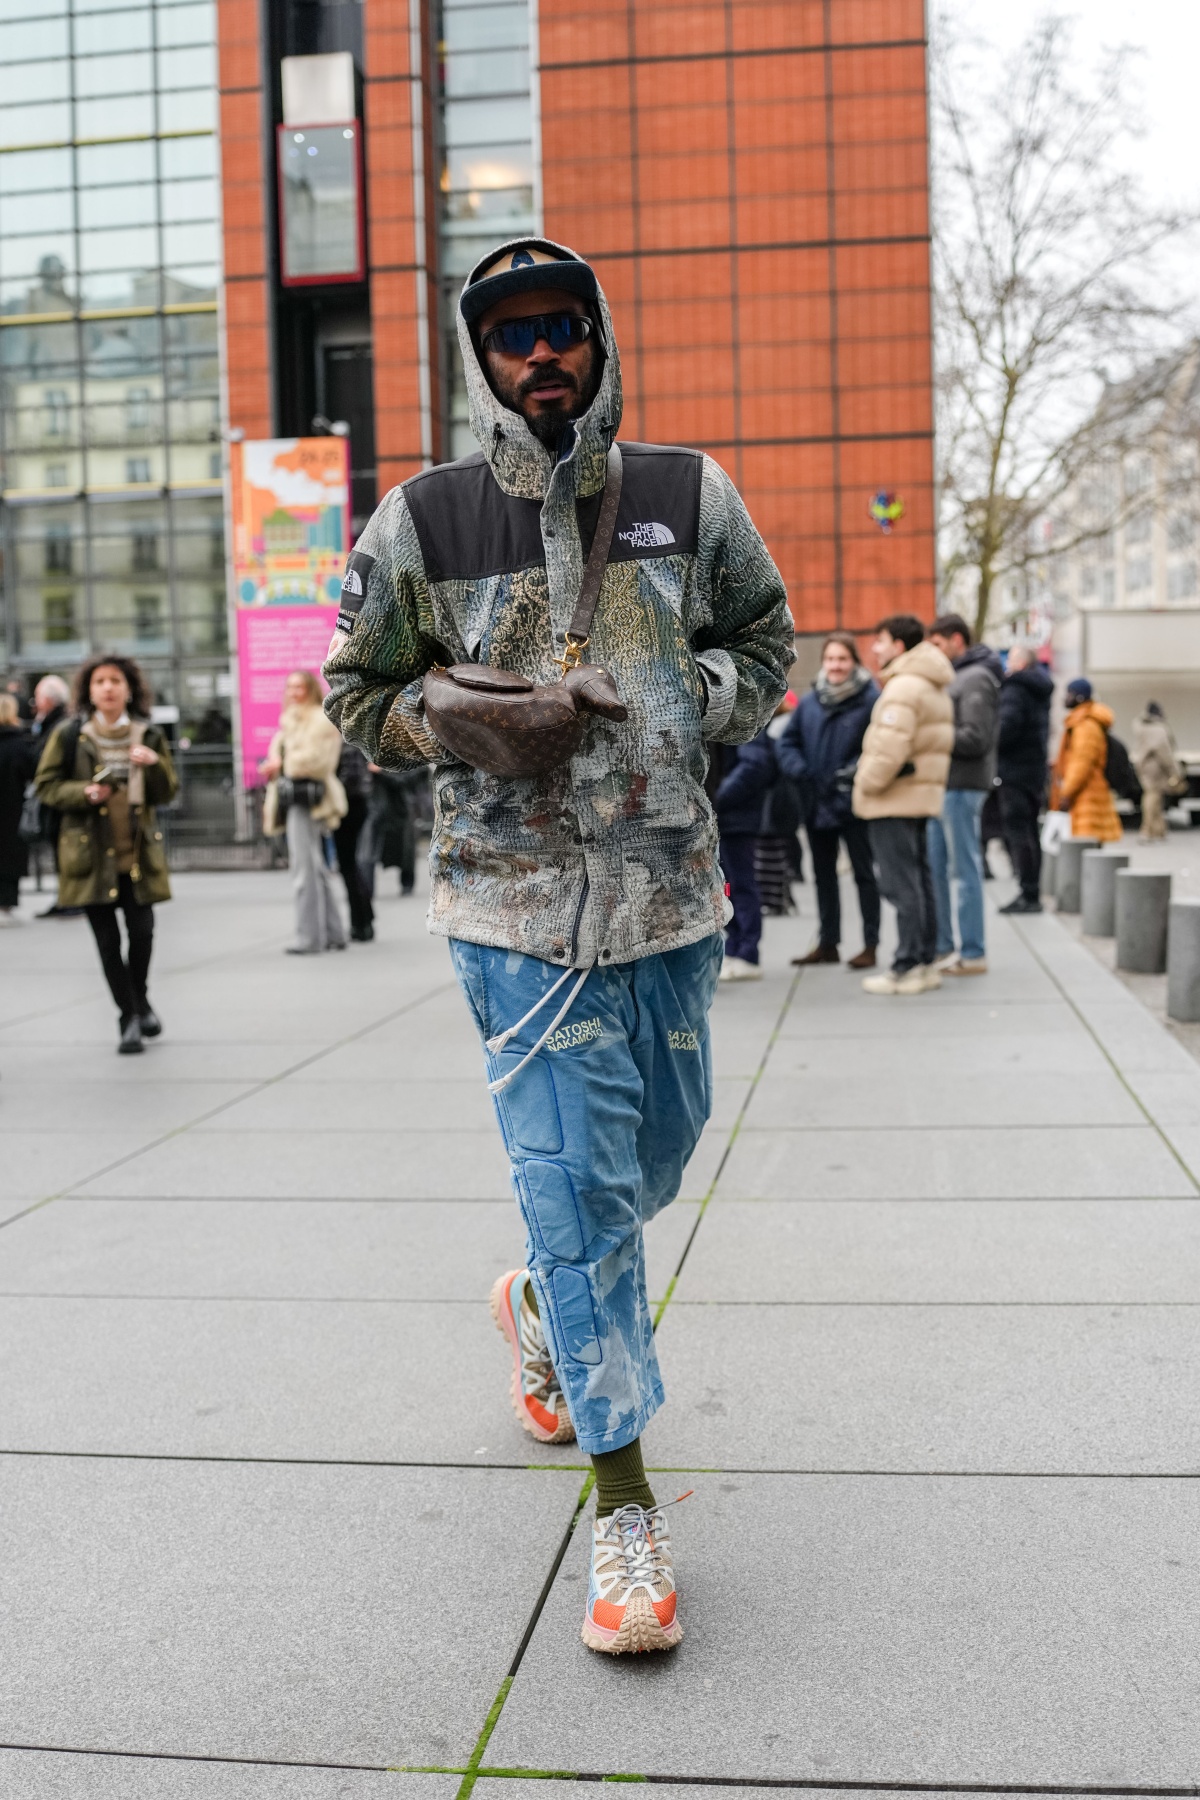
[924, 660]
[980, 653]
[1089, 709]
[1037, 678]
[523, 466]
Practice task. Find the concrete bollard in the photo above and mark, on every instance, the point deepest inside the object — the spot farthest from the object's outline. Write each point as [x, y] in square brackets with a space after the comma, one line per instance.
[1049, 874]
[1070, 869]
[1143, 902]
[1098, 891]
[1183, 961]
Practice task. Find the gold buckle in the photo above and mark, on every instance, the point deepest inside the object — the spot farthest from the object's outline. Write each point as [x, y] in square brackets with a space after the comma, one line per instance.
[572, 654]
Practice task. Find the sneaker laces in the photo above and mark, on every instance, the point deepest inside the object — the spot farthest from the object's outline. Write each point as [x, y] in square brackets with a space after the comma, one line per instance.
[537, 1370]
[637, 1533]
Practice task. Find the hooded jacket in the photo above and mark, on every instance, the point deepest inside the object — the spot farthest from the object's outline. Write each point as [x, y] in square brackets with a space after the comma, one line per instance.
[819, 749]
[1080, 786]
[612, 856]
[912, 723]
[975, 693]
[1158, 767]
[1022, 756]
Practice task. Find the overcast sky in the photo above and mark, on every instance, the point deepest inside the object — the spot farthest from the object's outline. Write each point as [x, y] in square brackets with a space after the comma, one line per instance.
[1168, 31]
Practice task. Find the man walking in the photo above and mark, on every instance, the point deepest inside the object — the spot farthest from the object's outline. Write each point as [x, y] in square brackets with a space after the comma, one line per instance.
[51, 698]
[1022, 765]
[899, 784]
[955, 846]
[583, 906]
[1158, 769]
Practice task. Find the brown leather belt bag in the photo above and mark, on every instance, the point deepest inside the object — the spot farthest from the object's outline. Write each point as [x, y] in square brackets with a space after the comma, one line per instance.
[508, 725]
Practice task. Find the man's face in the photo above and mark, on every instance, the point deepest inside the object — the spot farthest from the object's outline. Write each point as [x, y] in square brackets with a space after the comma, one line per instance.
[953, 646]
[547, 387]
[1018, 658]
[885, 648]
[44, 700]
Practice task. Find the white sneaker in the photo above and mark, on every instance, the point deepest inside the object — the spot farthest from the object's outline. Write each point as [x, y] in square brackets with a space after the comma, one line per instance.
[914, 981]
[736, 968]
[631, 1602]
[948, 961]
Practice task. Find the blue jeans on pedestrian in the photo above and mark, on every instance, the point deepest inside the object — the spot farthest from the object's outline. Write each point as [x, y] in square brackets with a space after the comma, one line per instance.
[743, 934]
[955, 855]
[598, 1129]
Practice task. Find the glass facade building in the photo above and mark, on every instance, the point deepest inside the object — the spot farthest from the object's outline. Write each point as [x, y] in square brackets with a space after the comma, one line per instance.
[110, 411]
[486, 163]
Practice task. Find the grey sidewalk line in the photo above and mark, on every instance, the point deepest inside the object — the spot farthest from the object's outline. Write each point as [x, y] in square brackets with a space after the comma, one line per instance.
[1079, 978]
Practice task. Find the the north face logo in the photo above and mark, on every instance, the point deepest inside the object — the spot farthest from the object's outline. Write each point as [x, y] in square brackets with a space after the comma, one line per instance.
[353, 582]
[646, 536]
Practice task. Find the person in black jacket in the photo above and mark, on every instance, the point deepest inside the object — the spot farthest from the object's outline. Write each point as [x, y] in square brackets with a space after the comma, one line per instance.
[355, 777]
[955, 846]
[748, 775]
[51, 704]
[819, 751]
[18, 759]
[1021, 767]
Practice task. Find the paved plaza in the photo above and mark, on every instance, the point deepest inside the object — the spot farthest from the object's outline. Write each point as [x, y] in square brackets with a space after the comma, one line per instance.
[928, 1326]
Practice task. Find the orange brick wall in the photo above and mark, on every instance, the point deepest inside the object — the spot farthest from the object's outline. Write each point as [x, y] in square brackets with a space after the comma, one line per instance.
[750, 181]
[389, 84]
[247, 334]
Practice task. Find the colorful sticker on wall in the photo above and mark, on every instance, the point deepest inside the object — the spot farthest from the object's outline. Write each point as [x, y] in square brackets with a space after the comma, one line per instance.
[291, 530]
[886, 510]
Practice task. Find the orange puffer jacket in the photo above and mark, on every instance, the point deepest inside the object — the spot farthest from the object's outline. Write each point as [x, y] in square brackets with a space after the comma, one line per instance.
[1079, 786]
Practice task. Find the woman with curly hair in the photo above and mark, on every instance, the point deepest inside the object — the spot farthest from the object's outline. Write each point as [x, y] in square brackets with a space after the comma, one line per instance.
[105, 770]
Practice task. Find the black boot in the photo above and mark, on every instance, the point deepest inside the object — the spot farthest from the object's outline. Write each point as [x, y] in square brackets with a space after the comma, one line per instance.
[131, 1036]
[149, 1020]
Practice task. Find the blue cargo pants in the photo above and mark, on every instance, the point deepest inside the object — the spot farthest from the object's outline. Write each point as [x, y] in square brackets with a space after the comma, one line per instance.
[598, 1125]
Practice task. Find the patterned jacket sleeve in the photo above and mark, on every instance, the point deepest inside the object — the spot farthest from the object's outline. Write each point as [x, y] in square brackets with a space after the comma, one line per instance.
[747, 645]
[375, 669]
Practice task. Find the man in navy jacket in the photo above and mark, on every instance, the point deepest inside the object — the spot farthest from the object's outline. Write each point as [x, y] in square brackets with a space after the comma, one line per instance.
[749, 772]
[819, 749]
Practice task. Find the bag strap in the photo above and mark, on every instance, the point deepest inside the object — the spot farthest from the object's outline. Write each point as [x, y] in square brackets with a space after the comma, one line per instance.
[579, 630]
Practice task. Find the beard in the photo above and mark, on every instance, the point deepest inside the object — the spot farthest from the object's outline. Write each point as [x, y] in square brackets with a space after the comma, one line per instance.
[548, 423]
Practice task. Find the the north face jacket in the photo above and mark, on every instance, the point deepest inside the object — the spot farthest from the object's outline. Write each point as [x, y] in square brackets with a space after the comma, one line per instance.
[613, 856]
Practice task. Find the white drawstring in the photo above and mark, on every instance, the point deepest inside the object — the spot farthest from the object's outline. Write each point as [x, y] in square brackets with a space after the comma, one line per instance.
[497, 1043]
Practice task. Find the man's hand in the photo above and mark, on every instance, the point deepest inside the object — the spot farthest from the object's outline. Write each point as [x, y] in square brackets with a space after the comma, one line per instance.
[97, 792]
[142, 754]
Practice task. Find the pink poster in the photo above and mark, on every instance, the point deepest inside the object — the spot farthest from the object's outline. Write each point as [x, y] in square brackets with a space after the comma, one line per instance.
[272, 641]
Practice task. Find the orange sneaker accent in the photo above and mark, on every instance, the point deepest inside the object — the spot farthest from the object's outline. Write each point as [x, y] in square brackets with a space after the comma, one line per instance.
[664, 1610]
[548, 1426]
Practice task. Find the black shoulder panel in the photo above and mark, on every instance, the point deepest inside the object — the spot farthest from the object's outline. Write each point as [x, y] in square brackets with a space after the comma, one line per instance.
[659, 514]
[467, 526]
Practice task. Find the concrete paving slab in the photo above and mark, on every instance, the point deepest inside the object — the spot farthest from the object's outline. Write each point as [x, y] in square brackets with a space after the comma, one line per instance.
[298, 1614]
[71, 1775]
[289, 1249]
[392, 1382]
[997, 1163]
[48, 1162]
[421, 1165]
[912, 1097]
[346, 1107]
[858, 1060]
[175, 1059]
[1027, 1389]
[916, 1018]
[940, 1631]
[921, 1252]
[37, 1105]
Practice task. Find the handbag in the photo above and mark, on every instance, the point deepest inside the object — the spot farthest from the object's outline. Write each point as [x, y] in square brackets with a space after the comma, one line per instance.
[505, 724]
[31, 825]
[289, 793]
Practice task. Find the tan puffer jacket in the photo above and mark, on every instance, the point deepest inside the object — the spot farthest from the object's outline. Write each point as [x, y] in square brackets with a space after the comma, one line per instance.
[911, 722]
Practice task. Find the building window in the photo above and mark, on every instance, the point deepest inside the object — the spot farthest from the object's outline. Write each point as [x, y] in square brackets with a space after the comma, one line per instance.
[214, 465]
[56, 474]
[1181, 531]
[145, 550]
[137, 408]
[58, 412]
[147, 616]
[1181, 581]
[137, 469]
[1087, 580]
[58, 550]
[1137, 574]
[1108, 587]
[58, 611]
[1138, 529]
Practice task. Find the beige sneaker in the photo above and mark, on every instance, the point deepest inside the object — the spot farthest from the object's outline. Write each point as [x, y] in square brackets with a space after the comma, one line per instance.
[960, 966]
[631, 1603]
[913, 981]
[537, 1399]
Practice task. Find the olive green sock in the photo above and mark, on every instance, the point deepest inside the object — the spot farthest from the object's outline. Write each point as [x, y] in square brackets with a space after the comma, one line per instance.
[530, 1299]
[621, 1479]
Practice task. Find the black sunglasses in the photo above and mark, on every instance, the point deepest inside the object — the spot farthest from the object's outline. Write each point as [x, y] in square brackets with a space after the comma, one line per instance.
[517, 337]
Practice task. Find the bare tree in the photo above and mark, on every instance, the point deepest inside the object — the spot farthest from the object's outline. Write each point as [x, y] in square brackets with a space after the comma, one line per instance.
[1054, 314]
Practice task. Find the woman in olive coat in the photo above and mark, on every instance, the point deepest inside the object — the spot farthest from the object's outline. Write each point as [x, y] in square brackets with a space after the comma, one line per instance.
[105, 771]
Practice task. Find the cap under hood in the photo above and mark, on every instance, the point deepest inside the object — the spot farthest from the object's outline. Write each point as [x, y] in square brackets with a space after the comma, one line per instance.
[520, 462]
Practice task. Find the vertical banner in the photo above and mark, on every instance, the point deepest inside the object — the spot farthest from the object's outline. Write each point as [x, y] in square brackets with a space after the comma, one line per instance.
[291, 532]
